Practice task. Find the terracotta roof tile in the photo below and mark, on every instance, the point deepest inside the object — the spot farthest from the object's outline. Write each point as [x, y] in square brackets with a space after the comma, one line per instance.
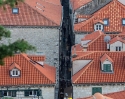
[78, 3]
[14, 65]
[114, 11]
[104, 57]
[51, 9]
[92, 73]
[37, 57]
[98, 41]
[114, 95]
[115, 39]
[29, 15]
[31, 72]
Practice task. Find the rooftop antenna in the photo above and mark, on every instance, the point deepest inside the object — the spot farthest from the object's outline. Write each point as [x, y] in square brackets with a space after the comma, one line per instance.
[107, 38]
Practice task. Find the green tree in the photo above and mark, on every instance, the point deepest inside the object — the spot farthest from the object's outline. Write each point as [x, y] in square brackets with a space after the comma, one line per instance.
[17, 46]
[12, 3]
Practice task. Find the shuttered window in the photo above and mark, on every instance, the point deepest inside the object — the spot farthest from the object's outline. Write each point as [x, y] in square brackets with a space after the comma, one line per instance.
[32, 92]
[96, 89]
[107, 67]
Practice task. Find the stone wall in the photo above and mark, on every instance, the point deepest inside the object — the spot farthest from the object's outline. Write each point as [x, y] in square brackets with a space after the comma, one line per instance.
[81, 91]
[46, 41]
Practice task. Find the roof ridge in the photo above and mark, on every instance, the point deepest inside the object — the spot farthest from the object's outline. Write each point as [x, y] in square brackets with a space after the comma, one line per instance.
[83, 55]
[100, 34]
[40, 13]
[33, 65]
[87, 66]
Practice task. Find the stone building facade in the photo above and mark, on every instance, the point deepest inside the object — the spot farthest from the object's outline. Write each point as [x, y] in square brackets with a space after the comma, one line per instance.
[87, 89]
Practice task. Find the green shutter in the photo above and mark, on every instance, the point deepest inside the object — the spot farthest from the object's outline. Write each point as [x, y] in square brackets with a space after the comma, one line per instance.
[13, 93]
[26, 93]
[96, 89]
[107, 67]
[38, 92]
[1, 94]
[104, 67]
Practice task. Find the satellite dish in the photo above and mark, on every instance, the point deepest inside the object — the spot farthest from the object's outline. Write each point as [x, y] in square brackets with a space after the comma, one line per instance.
[107, 38]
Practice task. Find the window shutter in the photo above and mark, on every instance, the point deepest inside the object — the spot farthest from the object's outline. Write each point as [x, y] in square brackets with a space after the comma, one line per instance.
[108, 67]
[26, 93]
[38, 92]
[96, 89]
[1, 94]
[13, 93]
[104, 67]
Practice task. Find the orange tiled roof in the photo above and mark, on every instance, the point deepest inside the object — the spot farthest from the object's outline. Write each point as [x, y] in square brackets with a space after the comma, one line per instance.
[29, 15]
[78, 3]
[14, 65]
[115, 39]
[92, 73]
[114, 95]
[98, 43]
[51, 9]
[97, 96]
[31, 72]
[104, 57]
[37, 57]
[83, 16]
[114, 11]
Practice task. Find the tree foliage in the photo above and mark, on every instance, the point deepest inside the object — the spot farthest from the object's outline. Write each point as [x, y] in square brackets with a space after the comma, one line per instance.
[15, 47]
[12, 3]
[12, 48]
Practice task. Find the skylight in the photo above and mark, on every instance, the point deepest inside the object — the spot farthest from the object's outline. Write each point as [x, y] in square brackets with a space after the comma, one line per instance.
[15, 10]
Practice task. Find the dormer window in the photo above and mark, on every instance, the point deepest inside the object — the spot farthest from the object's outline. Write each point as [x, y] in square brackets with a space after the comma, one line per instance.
[15, 10]
[106, 21]
[15, 72]
[98, 27]
[106, 63]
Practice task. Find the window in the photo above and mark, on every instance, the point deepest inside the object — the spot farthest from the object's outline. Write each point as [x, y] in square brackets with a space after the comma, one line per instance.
[118, 48]
[15, 10]
[15, 72]
[123, 21]
[7, 93]
[98, 27]
[96, 89]
[106, 21]
[107, 68]
[32, 92]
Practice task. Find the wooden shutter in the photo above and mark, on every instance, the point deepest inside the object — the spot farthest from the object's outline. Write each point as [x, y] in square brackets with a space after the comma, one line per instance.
[26, 93]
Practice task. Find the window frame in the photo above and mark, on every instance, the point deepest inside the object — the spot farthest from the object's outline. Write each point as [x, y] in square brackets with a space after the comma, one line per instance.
[107, 22]
[98, 27]
[15, 72]
[11, 93]
[123, 19]
[96, 91]
[15, 9]
[118, 48]
[105, 69]
[35, 92]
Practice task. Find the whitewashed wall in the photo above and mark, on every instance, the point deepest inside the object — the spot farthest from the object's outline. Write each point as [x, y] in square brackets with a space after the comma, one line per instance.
[113, 46]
